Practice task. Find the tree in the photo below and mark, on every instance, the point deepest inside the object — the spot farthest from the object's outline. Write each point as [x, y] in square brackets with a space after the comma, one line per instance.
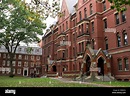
[20, 22]
[117, 4]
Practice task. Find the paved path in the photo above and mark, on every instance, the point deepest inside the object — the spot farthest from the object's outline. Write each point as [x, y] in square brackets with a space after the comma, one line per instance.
[69, 80]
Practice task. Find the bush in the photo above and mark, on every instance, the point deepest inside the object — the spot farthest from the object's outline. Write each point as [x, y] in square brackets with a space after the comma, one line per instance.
[11, 75]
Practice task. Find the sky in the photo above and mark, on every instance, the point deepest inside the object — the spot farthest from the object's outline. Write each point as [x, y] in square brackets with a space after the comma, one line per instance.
[49, 21]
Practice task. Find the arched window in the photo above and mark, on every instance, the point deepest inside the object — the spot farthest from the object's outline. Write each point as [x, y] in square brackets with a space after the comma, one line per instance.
[126, 62]
[118, 40]
[119, 64]
[66, 25]
[91, 9]
[125, 38]
[106, 43]
[104, 5]
[80, 16]
[85, 13]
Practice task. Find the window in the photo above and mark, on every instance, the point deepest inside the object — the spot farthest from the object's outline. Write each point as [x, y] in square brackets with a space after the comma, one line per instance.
[3, 63]
[25, 64]
[80, 16]
[104, 5]
[119, 64]
[87, 28]
[85, 13]
[19, 63]
[126, 64]
[13, 63]
[18, 71]
[38, 57]
[66, 25]
[92, 26]
[118, 40]
[82, 46]
[32, 64]
[20, 57]
[123, 15]
[106, 43]
[32, 57]
[26, 57]
[117, 18]
[125, 38]
[105, 23]
[91, 9]
[63, 54]
[4, 55]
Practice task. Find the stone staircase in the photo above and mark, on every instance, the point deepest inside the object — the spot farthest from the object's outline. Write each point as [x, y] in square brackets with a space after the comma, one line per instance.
[95, 78]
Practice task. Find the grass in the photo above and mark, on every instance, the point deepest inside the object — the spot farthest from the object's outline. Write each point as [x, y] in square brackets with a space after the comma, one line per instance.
[6, 81]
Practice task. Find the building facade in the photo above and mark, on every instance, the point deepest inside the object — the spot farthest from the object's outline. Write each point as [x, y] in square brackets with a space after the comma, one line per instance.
[24, 64]
[89, 33]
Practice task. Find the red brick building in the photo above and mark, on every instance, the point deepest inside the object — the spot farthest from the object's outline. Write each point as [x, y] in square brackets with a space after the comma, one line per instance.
[89, 34]
[24, 63]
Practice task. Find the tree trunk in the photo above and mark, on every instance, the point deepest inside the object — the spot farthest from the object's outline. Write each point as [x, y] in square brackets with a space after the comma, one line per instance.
[11, 64]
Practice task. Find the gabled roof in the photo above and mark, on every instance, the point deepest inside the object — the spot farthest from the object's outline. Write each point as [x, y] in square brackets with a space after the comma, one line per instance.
[70, 4]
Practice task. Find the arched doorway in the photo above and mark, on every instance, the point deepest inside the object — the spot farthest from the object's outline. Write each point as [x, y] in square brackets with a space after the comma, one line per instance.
[87, 66]
[54, 68]
[101, 66]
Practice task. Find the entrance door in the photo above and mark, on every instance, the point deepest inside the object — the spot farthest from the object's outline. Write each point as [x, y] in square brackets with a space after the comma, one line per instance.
[25, 72]
[87, 66]
[101, 66]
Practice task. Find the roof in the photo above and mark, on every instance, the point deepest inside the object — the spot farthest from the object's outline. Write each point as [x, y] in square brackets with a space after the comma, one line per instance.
[70, 4]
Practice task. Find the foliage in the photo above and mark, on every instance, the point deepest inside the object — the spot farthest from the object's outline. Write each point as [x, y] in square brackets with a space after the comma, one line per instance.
[22, 22]
[117, 4]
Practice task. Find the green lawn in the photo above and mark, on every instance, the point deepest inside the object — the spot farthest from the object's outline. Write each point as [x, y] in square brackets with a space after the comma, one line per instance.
[6, 81]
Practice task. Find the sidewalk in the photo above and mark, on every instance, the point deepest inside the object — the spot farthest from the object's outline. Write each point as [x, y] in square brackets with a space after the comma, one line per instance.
[69, 80]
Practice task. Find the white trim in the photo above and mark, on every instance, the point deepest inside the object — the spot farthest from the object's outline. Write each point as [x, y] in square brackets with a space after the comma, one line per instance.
[104, 18]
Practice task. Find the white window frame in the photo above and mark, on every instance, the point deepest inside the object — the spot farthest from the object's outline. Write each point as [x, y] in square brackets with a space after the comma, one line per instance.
[19, 63]
[18, 71]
